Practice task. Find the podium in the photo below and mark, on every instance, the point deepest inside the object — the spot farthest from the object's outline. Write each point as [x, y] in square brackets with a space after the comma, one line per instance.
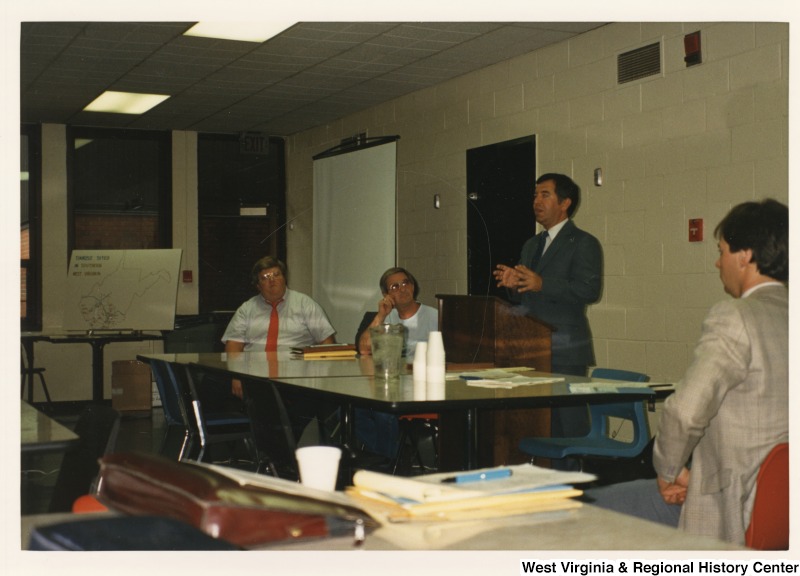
[488, 330]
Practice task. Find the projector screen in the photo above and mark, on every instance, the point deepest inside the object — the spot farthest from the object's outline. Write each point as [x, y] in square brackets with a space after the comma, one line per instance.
[355, 233]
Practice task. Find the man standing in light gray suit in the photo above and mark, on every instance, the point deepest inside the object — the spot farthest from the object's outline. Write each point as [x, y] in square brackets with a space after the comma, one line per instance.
[732, 405]
[559, 273]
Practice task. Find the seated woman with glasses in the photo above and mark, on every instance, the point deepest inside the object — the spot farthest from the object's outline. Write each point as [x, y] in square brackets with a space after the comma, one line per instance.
[378, 432]
[399, 306]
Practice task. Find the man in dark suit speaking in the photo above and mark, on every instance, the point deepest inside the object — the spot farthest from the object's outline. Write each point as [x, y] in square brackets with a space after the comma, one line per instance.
[559, 273]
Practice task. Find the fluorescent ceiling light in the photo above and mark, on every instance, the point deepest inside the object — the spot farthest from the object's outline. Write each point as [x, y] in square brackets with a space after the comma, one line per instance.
[125, 102]
[245, 31]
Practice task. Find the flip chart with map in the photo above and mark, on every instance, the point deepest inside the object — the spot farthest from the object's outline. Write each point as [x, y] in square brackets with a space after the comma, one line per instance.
[122, 290]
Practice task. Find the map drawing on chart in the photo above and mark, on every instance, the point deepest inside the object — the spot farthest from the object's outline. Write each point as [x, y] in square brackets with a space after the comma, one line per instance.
[122, 289]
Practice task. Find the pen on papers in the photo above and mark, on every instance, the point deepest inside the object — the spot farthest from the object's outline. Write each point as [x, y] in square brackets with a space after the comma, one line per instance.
[479, 476]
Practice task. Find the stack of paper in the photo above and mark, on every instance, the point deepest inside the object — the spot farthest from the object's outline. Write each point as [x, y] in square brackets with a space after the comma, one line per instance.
[469, 495]
[504, 378]
[325, 351]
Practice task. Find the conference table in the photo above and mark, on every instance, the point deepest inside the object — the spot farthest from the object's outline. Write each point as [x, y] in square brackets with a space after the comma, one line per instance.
[525, 536]
[350, 383]
[40, 433]
[96, 339]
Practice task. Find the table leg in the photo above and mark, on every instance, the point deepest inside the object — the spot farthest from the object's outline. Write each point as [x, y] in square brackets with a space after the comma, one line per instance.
[97, 369]
[471, 455]
[27, 345]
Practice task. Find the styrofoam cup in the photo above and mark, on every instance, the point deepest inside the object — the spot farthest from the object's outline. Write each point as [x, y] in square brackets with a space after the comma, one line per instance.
[319, 466]
[420, 362]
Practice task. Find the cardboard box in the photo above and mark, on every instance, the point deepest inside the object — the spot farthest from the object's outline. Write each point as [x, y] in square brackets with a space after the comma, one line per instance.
[131, 385]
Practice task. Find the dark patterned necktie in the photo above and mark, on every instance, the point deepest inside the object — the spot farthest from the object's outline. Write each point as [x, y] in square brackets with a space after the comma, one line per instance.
[539, 249]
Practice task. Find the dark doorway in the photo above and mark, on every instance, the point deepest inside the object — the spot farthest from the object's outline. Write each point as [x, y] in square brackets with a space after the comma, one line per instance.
[241, 214]
[500, 183]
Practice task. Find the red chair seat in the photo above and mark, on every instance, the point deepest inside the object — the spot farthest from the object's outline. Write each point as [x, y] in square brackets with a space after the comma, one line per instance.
[88, 503]
[769, 523]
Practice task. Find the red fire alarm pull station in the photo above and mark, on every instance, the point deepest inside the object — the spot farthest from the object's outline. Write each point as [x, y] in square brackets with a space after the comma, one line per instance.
[692, 49]
[696, 230]
[187, 276]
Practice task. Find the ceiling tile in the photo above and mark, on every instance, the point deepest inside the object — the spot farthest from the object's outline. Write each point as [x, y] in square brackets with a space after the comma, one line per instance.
[311, 74]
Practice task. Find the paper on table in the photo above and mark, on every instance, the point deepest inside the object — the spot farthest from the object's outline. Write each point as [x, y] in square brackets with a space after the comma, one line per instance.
[504, 379]
[429, 487]
[245, 478]
[419, 491]
[529, 489]
[523, 477]
[490, 384]
[488, 506]
[489, 372]
[603, 386]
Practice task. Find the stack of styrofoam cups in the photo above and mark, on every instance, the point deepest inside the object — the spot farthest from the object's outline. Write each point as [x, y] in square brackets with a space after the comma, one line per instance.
[435, 366]
[420, 370]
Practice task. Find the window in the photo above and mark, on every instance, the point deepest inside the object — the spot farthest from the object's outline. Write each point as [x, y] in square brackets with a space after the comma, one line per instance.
[30, 229]
[120, 189]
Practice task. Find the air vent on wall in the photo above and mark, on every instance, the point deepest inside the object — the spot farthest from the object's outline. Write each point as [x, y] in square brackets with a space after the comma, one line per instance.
[639, 63]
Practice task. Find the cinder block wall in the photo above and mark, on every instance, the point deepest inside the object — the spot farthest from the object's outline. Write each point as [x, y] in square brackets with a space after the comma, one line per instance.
[687, 144]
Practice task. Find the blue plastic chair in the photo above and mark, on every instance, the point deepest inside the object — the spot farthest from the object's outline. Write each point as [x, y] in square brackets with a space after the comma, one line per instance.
[599, 441]
[617, 374]
[208, 425]
[175, 414]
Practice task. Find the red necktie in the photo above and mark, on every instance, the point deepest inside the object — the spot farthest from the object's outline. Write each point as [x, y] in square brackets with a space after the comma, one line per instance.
[272, 331]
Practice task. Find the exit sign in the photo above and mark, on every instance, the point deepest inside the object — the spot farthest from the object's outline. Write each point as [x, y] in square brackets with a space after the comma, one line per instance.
[253, 143]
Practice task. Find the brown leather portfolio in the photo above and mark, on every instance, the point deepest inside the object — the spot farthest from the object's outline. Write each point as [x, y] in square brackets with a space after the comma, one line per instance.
[248, 516]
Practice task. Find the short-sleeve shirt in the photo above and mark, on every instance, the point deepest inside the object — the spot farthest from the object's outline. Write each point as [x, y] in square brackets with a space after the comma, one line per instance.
[425, 321]
[302, 322]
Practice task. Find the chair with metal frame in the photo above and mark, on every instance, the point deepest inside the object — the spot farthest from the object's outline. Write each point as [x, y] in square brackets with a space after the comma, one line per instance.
[601, 440]
[29, 373]
[175, 413]
[414, 430]
[209, 426]
[274, 437]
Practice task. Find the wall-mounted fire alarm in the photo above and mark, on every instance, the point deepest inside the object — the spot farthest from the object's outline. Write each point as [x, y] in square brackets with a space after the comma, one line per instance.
[696, 230]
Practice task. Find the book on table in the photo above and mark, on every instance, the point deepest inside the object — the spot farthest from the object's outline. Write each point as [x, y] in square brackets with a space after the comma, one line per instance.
[509, 490]
[323, 351]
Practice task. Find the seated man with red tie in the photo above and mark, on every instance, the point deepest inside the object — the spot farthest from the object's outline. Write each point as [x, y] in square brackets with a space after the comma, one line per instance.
[276, 319]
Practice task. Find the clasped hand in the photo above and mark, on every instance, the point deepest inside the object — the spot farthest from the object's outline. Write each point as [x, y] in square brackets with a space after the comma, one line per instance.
[519, 278]
[674, 492]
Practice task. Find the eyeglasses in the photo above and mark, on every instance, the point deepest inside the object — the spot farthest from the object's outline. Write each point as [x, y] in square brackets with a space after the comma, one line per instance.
[270, 276]
[397, 285]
